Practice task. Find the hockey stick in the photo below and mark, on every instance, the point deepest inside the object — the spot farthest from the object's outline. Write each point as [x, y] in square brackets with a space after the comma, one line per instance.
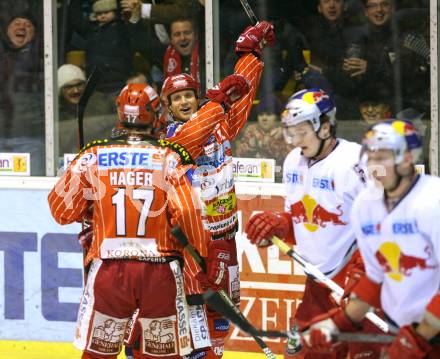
[249, 12]
[221, 305]
[90, 86]
[223, 297]
[91, 83]
[317, 275]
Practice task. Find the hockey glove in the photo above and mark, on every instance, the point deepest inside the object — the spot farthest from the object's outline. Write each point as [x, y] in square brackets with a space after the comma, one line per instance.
[408, 344]
[317, 335]
[355, 271]
[217, 262]
[255, 38]
[263, 226]
[231, 89]
[85, 237]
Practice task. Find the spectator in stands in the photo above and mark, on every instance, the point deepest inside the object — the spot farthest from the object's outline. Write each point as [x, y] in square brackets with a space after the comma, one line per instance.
[137, 78]
[107, 44]
[71, 84]
[328, 36]
[21, 90]
[377, 59]
[264, 139]
[182, 55]
[374, 103]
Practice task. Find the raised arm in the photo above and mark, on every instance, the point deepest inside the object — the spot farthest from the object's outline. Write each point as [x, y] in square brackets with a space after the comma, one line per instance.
[249, 45]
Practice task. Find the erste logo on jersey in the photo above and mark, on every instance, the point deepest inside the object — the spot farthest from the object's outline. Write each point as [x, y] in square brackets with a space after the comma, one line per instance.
[123, 158]
[371, 229]
[294, 178]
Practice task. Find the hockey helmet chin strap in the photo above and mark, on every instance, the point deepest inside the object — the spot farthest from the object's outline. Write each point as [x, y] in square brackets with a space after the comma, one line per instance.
[322, 140]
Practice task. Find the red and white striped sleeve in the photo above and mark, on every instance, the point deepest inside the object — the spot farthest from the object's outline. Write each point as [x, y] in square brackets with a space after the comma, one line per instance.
[185, 209]
[193, 134]
[66, 200]
[250, 67]
[190, 270]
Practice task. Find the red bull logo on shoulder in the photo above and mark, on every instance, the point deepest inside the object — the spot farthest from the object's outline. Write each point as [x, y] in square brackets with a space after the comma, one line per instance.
[398, 265]
[313, 215]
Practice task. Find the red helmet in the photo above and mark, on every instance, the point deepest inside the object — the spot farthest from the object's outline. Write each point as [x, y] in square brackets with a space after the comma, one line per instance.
[137, 105]
[176, 83]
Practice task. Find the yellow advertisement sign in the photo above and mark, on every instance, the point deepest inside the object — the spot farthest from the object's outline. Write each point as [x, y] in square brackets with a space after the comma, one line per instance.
[15, 164]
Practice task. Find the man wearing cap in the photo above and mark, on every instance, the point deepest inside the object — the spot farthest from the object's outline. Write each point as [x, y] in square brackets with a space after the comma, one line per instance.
[71, 83]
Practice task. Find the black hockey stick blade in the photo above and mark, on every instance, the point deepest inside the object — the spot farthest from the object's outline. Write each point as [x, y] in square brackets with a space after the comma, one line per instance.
[91, 83]
[220, 302]
[250, 13]
[340, 337]
[217, 301]
[364, 338]
[180, 236]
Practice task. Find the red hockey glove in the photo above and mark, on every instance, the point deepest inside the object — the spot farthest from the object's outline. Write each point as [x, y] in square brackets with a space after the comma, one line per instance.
[263, 226]
[254, 38]
[217, 262]
[231, 89]
[355, 271]
[85, 237]
[317, 335]
[408, 344]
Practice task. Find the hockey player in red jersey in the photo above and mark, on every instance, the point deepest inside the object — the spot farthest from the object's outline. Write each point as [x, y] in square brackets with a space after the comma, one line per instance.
[207, 133]
[136, 192]
[396, 225]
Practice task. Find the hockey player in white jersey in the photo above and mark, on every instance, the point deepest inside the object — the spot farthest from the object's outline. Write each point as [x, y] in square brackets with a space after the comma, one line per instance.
[397, 226]
[321, 179]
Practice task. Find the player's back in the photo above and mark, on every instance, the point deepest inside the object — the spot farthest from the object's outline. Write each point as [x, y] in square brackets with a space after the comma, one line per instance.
[126, 181]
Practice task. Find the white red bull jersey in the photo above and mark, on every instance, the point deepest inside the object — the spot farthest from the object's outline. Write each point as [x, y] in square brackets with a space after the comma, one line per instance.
[319, 198]
[401, 248]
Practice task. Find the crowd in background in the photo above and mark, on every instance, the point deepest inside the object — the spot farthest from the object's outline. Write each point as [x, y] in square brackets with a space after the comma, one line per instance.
[371, 56]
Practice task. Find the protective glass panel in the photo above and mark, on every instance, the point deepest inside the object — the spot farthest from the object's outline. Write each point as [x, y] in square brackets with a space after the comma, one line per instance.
[22, 88]
[128, 41]
[372, 58]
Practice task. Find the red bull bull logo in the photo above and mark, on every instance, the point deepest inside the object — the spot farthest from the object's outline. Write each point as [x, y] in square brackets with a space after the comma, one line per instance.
[397, 264]
[314, 97]
[313, 215]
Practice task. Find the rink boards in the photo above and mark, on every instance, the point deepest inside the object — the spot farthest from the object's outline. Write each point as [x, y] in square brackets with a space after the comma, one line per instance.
[41, 266]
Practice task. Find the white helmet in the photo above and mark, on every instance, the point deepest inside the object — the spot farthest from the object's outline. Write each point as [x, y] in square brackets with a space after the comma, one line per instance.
[395, 135]
[309, 105]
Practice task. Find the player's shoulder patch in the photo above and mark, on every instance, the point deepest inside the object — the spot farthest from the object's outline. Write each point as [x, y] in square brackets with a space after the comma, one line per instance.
[84, 161]
[179, 149]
